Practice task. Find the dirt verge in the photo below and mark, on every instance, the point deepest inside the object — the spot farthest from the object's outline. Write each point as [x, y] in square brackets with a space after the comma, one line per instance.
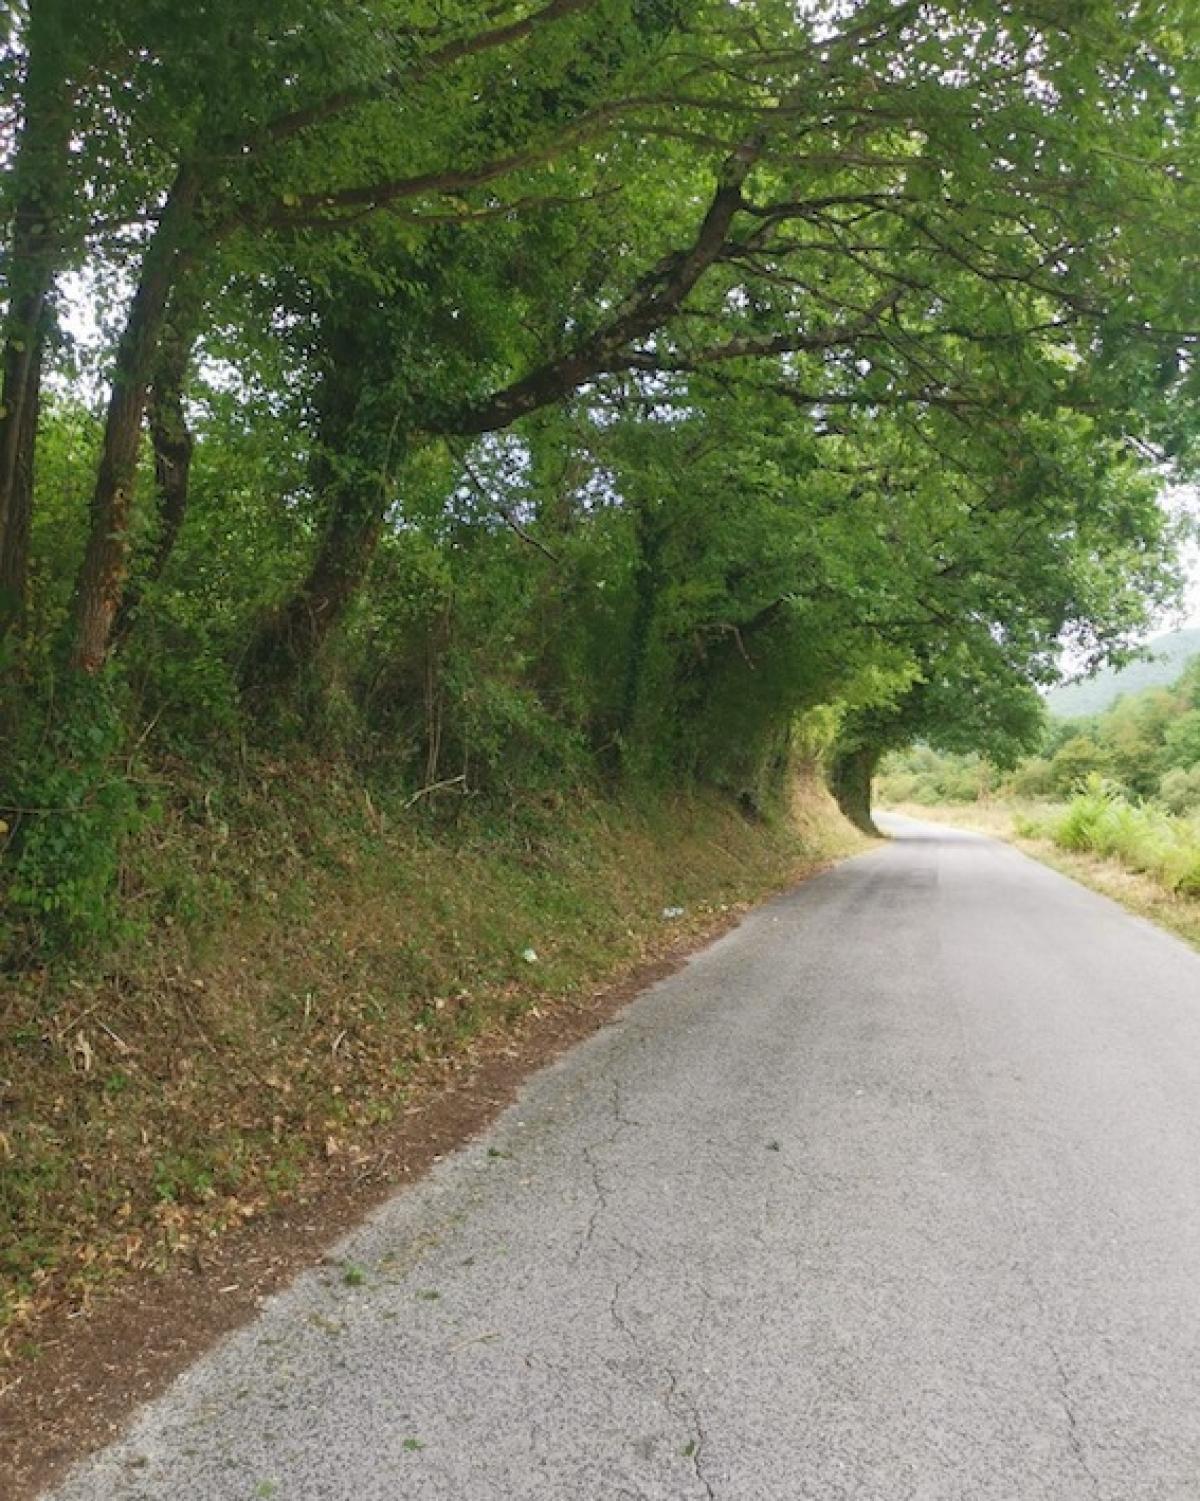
[96, 1366]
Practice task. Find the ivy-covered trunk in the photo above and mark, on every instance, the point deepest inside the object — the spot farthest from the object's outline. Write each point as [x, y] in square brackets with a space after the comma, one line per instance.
[850, 778]
[290, 638]
[39, 172]
[172, 443]
[359, 449]
[17, 456]
[100, 583]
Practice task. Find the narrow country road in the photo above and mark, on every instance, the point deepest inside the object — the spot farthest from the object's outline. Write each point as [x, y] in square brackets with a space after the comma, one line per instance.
[892, 1193]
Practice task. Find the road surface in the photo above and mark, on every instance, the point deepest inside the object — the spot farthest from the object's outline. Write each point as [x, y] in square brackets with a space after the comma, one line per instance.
[893, 1193]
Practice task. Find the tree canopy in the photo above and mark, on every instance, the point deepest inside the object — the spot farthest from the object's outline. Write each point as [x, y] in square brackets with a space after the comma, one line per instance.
[580, 387]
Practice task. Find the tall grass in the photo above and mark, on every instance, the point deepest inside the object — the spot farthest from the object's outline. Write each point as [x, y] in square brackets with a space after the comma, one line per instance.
[1144, 837]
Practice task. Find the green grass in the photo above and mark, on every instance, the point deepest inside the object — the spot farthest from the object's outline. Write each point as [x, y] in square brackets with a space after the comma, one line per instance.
[332, 953]
[1140, 836]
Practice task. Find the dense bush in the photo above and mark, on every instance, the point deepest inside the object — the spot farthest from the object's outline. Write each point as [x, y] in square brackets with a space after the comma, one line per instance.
[1179, 789]
[1102, 821]
[925, 776]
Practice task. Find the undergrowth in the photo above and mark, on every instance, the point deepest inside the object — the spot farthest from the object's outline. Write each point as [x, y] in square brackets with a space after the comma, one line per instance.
[1143, 837]
[300, 954]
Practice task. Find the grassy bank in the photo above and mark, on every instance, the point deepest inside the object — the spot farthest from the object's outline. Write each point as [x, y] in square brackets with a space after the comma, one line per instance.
[1142, 857]
[306, 960]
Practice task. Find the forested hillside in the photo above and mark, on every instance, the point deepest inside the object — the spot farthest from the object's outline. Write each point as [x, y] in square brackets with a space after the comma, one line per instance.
[1164, 659]
[1147, 746]
[417, 418]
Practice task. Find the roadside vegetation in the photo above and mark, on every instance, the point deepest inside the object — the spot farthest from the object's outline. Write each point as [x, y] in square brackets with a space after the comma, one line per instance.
[461, 469]
[318, 962]
[1123, 785]
[1101, 821]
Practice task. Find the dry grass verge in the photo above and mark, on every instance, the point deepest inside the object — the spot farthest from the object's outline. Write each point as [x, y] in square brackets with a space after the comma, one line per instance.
[1136, 891]
[347, 955]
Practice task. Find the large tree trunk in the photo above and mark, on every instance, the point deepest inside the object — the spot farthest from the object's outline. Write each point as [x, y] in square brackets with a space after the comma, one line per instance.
[35, 247]
[172, 442]
[100, 585]
[289, 639]
[18, 520]
[357, 451]
[850, 778]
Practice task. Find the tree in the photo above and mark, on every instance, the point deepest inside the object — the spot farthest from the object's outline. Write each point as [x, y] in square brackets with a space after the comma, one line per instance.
[1003, 556]
[264, 125]
[858, 274]
[46, 59]
[583, 388]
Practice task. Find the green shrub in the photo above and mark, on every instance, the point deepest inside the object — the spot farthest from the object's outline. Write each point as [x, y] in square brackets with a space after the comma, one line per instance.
[68, 802]
[1179, 789]
[1142, 836]
[1033, 778]
[930, 777]
[1075, 828]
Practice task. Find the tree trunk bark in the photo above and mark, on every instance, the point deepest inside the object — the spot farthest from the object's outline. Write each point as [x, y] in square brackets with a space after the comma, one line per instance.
[173, 445]
[40, 170]
[14, 537]
[357, 451]
[850, 779]
[100, 585]
[290, 639]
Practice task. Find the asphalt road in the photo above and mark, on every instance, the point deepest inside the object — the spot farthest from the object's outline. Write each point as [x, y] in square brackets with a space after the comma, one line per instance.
[892, 1193]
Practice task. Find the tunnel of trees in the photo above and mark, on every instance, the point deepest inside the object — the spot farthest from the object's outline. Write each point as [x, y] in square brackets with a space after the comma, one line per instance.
[573, 390]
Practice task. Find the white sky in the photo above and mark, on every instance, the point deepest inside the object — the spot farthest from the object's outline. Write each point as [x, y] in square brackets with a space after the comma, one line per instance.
[1186, 498]
[1192, 615]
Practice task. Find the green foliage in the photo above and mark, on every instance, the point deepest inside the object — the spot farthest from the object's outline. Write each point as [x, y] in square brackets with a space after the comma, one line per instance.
[1033, 778]
[1148, 743]
[1078, 828]
[1074, 762]
[1181, 741]
[1146, 749]
[1179, 790]
[923, 775]
[1101, 821]
[68, 804]
[547, 398]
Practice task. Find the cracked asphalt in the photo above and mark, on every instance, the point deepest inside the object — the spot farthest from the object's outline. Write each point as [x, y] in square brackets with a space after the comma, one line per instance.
[893, 1192]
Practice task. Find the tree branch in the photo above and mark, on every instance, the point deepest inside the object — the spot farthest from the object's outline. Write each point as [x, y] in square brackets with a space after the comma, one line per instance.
[659, 295]
[506, 514]
[312, 209]
[292, 123]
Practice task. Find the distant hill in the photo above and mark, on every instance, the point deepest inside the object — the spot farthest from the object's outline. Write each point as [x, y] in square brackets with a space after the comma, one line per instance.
[1172, 653]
